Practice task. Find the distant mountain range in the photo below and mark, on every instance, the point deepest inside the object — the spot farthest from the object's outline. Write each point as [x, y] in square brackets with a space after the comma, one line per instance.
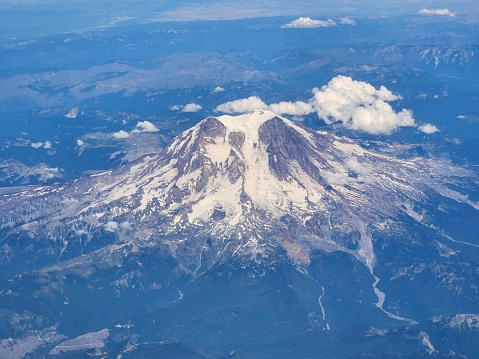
[440, 56]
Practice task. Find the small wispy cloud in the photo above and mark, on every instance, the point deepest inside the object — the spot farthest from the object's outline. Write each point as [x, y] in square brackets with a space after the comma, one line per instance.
[218, 89]
[141, 127]
[439, 12]
[428, 128]
[336, 178]
[346, 21]
[46, 145]
[111, 227]
[355, 166]
[120, 135]
[192, 107]
[145, 126]
[308, 23]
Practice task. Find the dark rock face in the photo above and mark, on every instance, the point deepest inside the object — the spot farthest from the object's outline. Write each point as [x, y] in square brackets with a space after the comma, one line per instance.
[236, 139]
[187, 152]
[212, 128]
[174, 195]
[235, 167]
[284, 144]
[218, 214]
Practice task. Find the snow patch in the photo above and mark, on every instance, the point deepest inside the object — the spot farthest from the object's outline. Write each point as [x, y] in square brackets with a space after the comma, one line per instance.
[425, 340]
[323, 313]
[73, 113]
[46, 145]
[87, 341]
[471, 321]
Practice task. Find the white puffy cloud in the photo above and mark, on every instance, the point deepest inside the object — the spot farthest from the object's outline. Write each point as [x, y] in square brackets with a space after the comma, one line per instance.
[46, 145]
[241, 106]
[298, 108]
[428, 128]
[192, 107]
[218, 89]
[308, 23]
[358, 105]
[80, 142]
[346, 21]
[141, 127]
[379, 118]
[121, 135]
[110, 227]
[145, 126]
[440, 12]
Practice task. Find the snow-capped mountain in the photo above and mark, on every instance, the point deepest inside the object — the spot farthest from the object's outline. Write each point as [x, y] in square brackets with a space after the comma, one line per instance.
[440, 56]
[262, 192]
[242, 185]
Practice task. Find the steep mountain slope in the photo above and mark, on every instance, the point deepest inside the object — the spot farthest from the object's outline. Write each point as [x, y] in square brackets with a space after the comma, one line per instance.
[256, 199]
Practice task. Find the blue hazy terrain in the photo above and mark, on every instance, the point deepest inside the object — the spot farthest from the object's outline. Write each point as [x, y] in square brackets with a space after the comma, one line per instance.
[94, 86]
